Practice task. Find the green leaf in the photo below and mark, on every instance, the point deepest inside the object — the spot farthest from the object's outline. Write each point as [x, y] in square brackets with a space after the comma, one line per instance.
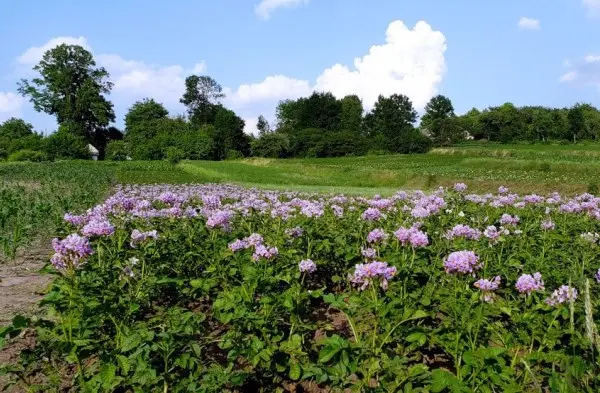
[295, 371]
[327, 353]
[197, 283]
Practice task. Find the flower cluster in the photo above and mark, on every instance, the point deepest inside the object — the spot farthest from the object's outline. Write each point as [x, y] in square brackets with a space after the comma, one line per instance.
[528, 283]
[488, 287]
[98, 228]
[220, 219]
[507, 219]
[460, 187]
[463, 231]
[294, 232]
[377, 236]
[307, 266]
[548, 225]
[371, 214]
[365, 274]
[70, 252]
[412, 236]
[138, 237]
[461, 262]
[562, 295]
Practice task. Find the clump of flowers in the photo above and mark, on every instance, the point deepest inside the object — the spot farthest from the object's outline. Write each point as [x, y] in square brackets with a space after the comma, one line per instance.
[507, 219]
[412, 236]
[71, 252]
[493, 233]
[377, 236]
[464, 231]
[460, 187]
[369, 253]
[77, 220]
[461, 262]
[98, 228]
[138, 237]
[220, 219]
[562, 295]
[548, 225]
[264, 252]
[502, 190]
[238, 244]
[365, 274]
[488, 287]
[254, 240]
[294, 232]
[371, 214]
[528, 283]
[307, 266]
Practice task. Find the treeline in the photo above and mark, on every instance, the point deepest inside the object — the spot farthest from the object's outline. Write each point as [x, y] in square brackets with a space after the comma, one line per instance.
[73, 89]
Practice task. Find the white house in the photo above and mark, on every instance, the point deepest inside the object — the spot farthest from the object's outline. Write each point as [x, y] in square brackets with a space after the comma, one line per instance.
[94, 152]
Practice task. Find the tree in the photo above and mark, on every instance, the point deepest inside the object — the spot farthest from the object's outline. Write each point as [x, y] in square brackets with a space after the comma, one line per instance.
[577, 125]
[287, 114]
[64, 144]
[271, 145]
[14, 128]
[229, 133]
[263, 125]
[439, 121]
[71, 88]
[392, 117]
[320, 110]
[202, 96]
[352, 114]
[143, 111]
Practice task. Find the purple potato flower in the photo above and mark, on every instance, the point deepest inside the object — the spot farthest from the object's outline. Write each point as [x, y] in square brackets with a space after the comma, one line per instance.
[98, 228]
[487, 287]
[365, 274]
[562, 295]
[461, 262]
[377, 236]
[307, 266]
[71, 252]
[528, 283]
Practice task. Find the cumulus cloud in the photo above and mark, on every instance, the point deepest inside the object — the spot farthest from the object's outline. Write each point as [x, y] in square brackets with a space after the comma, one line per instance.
[34, 54]
[410, 62]
[266, 7]
[526, 23]
[132, 79]
[585, 72]
[10, 105]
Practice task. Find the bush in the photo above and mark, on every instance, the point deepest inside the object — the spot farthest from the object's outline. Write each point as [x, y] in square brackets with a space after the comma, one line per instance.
[412, 142]
[3, 154]
[27, 155]
[174, 155]
[234, 155]
[65, 145]
[117, 151]
[271, 145]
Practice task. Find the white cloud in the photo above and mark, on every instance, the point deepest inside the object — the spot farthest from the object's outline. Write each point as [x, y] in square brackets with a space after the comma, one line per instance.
[585, 72]
[266, 7]
[411, 62]
[526, 23]
[593, 7]
[34, 54]
[10, 105]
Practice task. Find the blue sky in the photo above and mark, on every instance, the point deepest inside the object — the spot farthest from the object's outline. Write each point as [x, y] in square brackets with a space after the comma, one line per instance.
[479, 53]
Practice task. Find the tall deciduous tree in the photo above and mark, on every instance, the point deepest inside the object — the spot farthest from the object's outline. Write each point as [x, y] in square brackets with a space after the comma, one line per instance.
[263, 126]
[229, 133]
[393, 116]
[439, 121]
[202, 96]
[577, 125]
[143, 111]
[352, 114]
[72, 88]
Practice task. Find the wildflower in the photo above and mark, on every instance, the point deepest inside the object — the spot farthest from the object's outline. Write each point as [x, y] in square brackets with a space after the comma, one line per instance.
[371, 214]
[369, 253]
[307, 266]
[238, 245]
[461, 262]
[502, 190]
[377, 236]
[460, 187]
[70, 252]
[220, 219]
[264, 252]
[254, 240]
[488, 287]
[597, 276]
[98, 228]
[77, 220]
[507, 219]
[465, 231]
[128, 271]
[294, 232]
[413, 236]
[528, 284]
[138, 237]
[562, 295]
[548, 225]
[134, 261]
[365, 274]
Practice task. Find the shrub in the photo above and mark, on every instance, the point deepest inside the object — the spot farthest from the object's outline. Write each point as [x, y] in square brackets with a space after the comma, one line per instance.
[3, 154]
[65, 145]
[271, 145]
[117, 151]
[174, 155]
[234, 155]
[27, 155]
